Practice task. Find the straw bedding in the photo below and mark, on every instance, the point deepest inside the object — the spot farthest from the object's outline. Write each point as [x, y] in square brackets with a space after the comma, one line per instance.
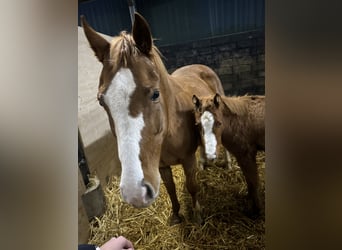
[223, 200]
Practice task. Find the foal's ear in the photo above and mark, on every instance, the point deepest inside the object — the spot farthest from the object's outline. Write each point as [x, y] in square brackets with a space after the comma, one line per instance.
[142, 34]
[99, 45]
[217, 100]
[196, 101]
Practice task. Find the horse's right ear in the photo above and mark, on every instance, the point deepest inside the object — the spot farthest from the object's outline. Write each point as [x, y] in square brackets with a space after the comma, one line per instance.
[142, 34]
[196, 101]
[217, 100]
[99, 45]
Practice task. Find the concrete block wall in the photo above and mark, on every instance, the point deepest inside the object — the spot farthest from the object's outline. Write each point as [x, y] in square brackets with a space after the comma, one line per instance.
[238, 59]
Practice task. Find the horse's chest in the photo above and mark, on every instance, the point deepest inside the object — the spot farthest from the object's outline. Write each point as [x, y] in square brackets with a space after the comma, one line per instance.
[177, 146]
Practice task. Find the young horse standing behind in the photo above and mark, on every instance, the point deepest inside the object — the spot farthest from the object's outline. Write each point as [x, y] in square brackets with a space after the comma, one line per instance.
[150, 114]
[239, 124]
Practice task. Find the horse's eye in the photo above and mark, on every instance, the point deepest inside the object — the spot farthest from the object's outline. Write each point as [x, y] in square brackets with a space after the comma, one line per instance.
[217, 124]
[155, 95]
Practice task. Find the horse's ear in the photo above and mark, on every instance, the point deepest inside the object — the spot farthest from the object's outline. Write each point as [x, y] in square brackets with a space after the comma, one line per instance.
[142, 34]
[99, 45]
[196, 101]
[217, 100]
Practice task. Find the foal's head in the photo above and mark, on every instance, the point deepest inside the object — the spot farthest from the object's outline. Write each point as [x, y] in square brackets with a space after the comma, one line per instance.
[209, 116]
[129, 91]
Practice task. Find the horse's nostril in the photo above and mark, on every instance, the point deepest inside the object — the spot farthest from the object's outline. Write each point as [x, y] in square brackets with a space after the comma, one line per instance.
[100, 97]
[149, 190]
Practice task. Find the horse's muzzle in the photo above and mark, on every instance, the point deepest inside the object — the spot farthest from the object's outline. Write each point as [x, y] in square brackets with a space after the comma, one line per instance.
[100, 99]
[141, 196]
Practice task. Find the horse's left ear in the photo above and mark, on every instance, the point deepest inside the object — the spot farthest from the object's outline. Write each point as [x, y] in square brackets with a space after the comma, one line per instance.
[99, 45]
[142, 34]
[217, 100]
[196, 101]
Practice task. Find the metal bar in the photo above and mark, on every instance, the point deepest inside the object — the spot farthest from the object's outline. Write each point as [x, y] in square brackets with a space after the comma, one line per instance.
[131, 6]
[82, 161]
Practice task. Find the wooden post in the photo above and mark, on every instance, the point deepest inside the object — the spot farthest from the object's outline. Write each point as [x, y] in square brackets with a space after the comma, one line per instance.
[131, 6]
[93, 199]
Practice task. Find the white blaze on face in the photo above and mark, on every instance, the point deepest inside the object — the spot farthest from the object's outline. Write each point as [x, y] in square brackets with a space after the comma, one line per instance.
[128, 132]
[207, 121]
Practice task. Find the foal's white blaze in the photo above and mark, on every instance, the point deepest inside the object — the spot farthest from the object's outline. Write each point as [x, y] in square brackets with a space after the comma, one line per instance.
[207, 121]
[128, 131]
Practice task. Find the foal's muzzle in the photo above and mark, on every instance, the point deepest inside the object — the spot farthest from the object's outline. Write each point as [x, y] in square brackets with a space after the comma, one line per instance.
[211, 157]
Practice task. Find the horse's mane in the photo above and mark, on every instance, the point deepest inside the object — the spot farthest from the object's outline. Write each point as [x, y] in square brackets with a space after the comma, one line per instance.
[236, 105]
[123, 47]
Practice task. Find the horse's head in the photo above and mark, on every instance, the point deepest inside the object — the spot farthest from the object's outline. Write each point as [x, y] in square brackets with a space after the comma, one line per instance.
[129, 91]
[209, 116]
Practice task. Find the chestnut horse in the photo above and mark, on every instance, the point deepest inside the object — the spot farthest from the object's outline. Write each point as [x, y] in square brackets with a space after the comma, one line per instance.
[150, 114]
[238, 123]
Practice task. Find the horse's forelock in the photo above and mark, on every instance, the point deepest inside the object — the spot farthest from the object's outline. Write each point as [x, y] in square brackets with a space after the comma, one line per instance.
[123, 49]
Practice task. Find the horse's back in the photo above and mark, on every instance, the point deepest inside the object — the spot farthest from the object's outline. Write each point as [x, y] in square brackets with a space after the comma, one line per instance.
[199, 78]
[249, 120]
[257, 110]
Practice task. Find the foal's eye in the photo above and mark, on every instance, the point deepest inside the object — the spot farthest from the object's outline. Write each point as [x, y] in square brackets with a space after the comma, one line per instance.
[217, 124]
[155, 95]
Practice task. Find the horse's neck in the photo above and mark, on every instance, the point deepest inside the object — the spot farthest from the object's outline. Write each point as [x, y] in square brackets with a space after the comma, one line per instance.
[173, 104]
[168, 96]
[233, 111]
[236, 106]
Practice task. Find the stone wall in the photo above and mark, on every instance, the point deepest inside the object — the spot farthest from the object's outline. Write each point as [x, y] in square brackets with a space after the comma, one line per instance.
[238, 59]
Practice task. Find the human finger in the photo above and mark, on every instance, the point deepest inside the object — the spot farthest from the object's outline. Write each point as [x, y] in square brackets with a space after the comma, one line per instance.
[122, 241]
